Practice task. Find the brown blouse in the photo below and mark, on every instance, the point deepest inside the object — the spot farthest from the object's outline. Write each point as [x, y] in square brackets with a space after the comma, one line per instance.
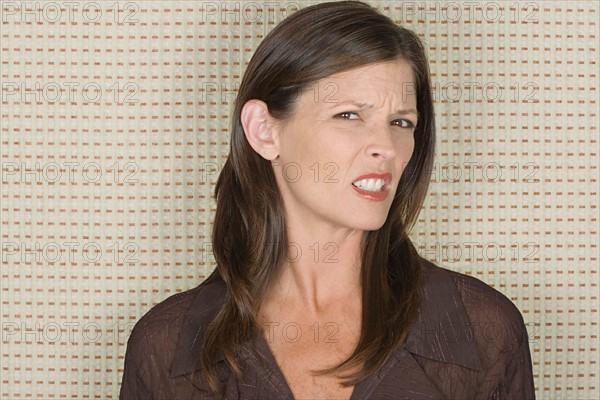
[468, 341]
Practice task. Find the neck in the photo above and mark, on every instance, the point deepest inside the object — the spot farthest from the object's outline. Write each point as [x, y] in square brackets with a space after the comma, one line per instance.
[322, 271]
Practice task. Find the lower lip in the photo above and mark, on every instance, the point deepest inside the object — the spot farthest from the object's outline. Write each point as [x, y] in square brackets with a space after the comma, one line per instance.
[375, 196]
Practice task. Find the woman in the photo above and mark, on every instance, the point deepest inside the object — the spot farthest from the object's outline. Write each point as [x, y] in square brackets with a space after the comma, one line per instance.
[318, 291]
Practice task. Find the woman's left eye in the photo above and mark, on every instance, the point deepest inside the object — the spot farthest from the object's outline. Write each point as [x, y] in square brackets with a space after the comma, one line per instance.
[347, 115]
[403, 123]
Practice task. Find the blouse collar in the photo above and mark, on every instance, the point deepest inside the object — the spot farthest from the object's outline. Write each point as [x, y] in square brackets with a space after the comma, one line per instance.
[441, 330]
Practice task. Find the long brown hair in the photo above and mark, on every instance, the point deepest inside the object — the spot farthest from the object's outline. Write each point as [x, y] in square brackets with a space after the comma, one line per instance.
[249, 235]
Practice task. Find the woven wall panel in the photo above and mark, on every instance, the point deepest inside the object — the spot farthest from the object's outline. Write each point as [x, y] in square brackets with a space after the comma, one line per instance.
[114, 127]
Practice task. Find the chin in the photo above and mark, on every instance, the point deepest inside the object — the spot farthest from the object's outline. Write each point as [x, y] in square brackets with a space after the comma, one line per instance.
[371, 225]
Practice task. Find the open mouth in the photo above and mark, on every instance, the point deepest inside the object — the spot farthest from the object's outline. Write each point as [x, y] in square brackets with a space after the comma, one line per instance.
[373, 186]
[370, 185]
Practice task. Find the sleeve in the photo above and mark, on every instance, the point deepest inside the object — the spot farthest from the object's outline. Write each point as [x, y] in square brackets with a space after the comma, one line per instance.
[517, 382]
[133, 386]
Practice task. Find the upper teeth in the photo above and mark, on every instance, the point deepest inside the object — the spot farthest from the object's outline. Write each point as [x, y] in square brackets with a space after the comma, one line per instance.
[373, 185]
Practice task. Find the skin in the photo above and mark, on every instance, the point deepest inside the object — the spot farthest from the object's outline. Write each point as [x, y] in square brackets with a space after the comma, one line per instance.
[350, 123]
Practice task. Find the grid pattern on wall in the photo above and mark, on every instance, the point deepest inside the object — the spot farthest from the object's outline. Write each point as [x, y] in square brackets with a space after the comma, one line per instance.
[115, 124]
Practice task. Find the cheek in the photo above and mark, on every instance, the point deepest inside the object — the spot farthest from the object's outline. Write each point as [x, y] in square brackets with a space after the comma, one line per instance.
[412, 148]
[406, 152]
[407, 147]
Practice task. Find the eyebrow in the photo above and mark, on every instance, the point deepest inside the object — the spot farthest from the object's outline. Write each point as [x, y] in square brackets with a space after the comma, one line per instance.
[365, 106]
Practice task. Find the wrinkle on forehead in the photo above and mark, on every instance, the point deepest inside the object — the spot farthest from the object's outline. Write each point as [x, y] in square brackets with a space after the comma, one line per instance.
[388, 85]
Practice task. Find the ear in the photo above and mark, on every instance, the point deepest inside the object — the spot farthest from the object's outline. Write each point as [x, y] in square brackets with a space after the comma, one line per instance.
[260, 128]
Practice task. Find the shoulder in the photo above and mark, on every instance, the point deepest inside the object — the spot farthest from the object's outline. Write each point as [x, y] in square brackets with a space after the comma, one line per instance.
[153, 339]
[163, 318]
[497, 325]
[485, 303]
[158, 330]
[162, 334]
[469, 338]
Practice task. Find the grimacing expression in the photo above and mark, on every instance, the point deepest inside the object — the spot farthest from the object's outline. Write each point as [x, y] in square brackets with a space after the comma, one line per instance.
[343, 150]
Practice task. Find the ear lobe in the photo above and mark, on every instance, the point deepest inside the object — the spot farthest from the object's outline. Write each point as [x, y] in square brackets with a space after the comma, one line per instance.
[259, 128]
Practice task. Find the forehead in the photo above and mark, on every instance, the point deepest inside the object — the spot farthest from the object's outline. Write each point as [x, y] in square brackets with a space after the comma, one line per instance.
[377, 82]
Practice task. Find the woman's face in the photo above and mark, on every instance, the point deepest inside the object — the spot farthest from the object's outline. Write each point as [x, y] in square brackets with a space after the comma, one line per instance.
[342, 152]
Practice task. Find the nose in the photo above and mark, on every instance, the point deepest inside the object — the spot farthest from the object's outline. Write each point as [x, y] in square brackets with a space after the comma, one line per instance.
[381, 142]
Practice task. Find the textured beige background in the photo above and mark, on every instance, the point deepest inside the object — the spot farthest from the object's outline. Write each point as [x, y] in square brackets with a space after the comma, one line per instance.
[115, 125]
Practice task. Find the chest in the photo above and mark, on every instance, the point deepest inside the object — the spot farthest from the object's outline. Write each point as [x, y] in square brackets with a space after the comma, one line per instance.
[300, 348]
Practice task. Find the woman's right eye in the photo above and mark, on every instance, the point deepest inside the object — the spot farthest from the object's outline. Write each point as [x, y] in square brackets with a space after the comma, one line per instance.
[347, 115]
